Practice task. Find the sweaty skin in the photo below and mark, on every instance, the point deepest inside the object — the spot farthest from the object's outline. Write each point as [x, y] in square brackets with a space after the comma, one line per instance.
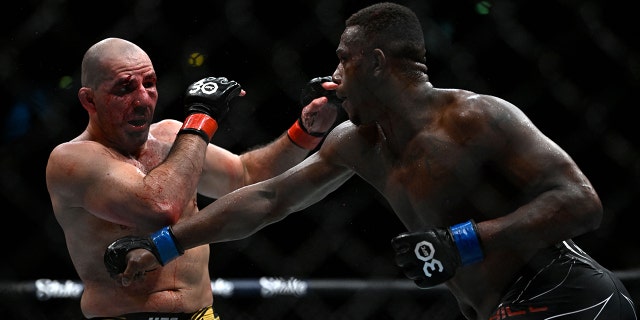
[439, 157]
[125, 175]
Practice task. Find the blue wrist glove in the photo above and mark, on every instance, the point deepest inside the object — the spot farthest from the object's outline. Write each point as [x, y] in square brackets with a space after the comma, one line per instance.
[432, 257]
[161, 243]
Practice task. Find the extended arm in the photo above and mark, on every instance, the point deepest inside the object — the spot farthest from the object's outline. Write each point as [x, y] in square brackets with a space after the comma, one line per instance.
[234, 216]
[225, 171]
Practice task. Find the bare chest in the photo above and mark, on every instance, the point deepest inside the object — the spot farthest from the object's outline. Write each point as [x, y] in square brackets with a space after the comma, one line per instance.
[430, 183]
[151, 156]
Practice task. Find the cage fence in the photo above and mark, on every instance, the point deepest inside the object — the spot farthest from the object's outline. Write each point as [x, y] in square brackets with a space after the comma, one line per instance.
[572, 66]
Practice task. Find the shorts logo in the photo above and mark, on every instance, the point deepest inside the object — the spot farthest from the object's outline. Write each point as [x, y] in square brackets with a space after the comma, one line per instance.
[207, 86]
[424, 251]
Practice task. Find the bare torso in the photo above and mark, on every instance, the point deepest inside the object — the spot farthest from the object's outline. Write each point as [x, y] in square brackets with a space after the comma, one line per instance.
[183, 285]
[448, 172]
[448, 157]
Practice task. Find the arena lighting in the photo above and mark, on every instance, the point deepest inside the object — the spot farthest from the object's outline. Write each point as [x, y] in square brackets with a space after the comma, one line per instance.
[483, 7]
[65, 82]
[196, 59]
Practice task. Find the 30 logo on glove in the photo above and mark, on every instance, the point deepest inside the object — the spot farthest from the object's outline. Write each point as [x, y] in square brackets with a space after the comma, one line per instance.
[211, 96]
[432, 256]
[206, 85]
[206, 101]
[424, 251]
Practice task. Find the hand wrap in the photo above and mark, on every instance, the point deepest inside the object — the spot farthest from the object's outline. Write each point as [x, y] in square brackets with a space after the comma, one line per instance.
[162, 244]
[298, 133]
[432, 257]
[206, 101]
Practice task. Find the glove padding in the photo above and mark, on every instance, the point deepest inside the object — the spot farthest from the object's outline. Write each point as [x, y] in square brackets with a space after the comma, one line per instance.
[432, 257]
[211, 96]
[317, 120]
[314, 90]
[161, 243]
[115, 257]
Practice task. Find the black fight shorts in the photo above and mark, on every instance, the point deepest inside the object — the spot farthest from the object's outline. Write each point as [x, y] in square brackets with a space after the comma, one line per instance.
[562, 283]
[206, 313]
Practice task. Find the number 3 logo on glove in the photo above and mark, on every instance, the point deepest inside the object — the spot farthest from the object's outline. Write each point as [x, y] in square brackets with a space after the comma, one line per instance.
[424, 251]
[207, 87]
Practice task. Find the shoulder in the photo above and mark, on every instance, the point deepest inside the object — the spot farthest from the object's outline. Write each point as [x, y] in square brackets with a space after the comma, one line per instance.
[474, 104]
[165, 130]
[340, 135]
[475, 113]
[349, 142]
[75, 155]
[75, 150]
[70, 164]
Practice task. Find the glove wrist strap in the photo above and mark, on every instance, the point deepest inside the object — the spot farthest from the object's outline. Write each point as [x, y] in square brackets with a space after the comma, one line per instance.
[200, 124]
[466, 239]
[167, 245]
[303, 139]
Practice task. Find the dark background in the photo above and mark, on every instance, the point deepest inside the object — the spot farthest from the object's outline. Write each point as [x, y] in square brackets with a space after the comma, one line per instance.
[572, 66]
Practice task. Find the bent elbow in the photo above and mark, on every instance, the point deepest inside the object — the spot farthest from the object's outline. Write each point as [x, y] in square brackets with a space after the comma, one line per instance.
[588, 206]
[166, 213]
[596, 209]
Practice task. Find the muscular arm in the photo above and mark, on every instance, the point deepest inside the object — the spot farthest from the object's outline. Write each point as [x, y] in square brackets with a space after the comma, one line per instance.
[561, 201]
[243, 212]
[86, 174]
[224, 171]
[247, 210]
[553, 200]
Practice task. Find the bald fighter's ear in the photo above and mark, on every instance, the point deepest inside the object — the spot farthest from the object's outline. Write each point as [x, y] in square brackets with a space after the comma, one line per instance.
[85, 95]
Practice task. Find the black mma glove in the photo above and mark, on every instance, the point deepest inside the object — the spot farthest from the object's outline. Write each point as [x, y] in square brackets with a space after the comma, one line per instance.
[210, 96]
[432, 257]
[314, 90]
[205, 102]
[162, 244]
[298, 133]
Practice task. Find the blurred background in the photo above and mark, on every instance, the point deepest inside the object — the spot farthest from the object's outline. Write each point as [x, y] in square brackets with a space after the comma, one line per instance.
[572, 66]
